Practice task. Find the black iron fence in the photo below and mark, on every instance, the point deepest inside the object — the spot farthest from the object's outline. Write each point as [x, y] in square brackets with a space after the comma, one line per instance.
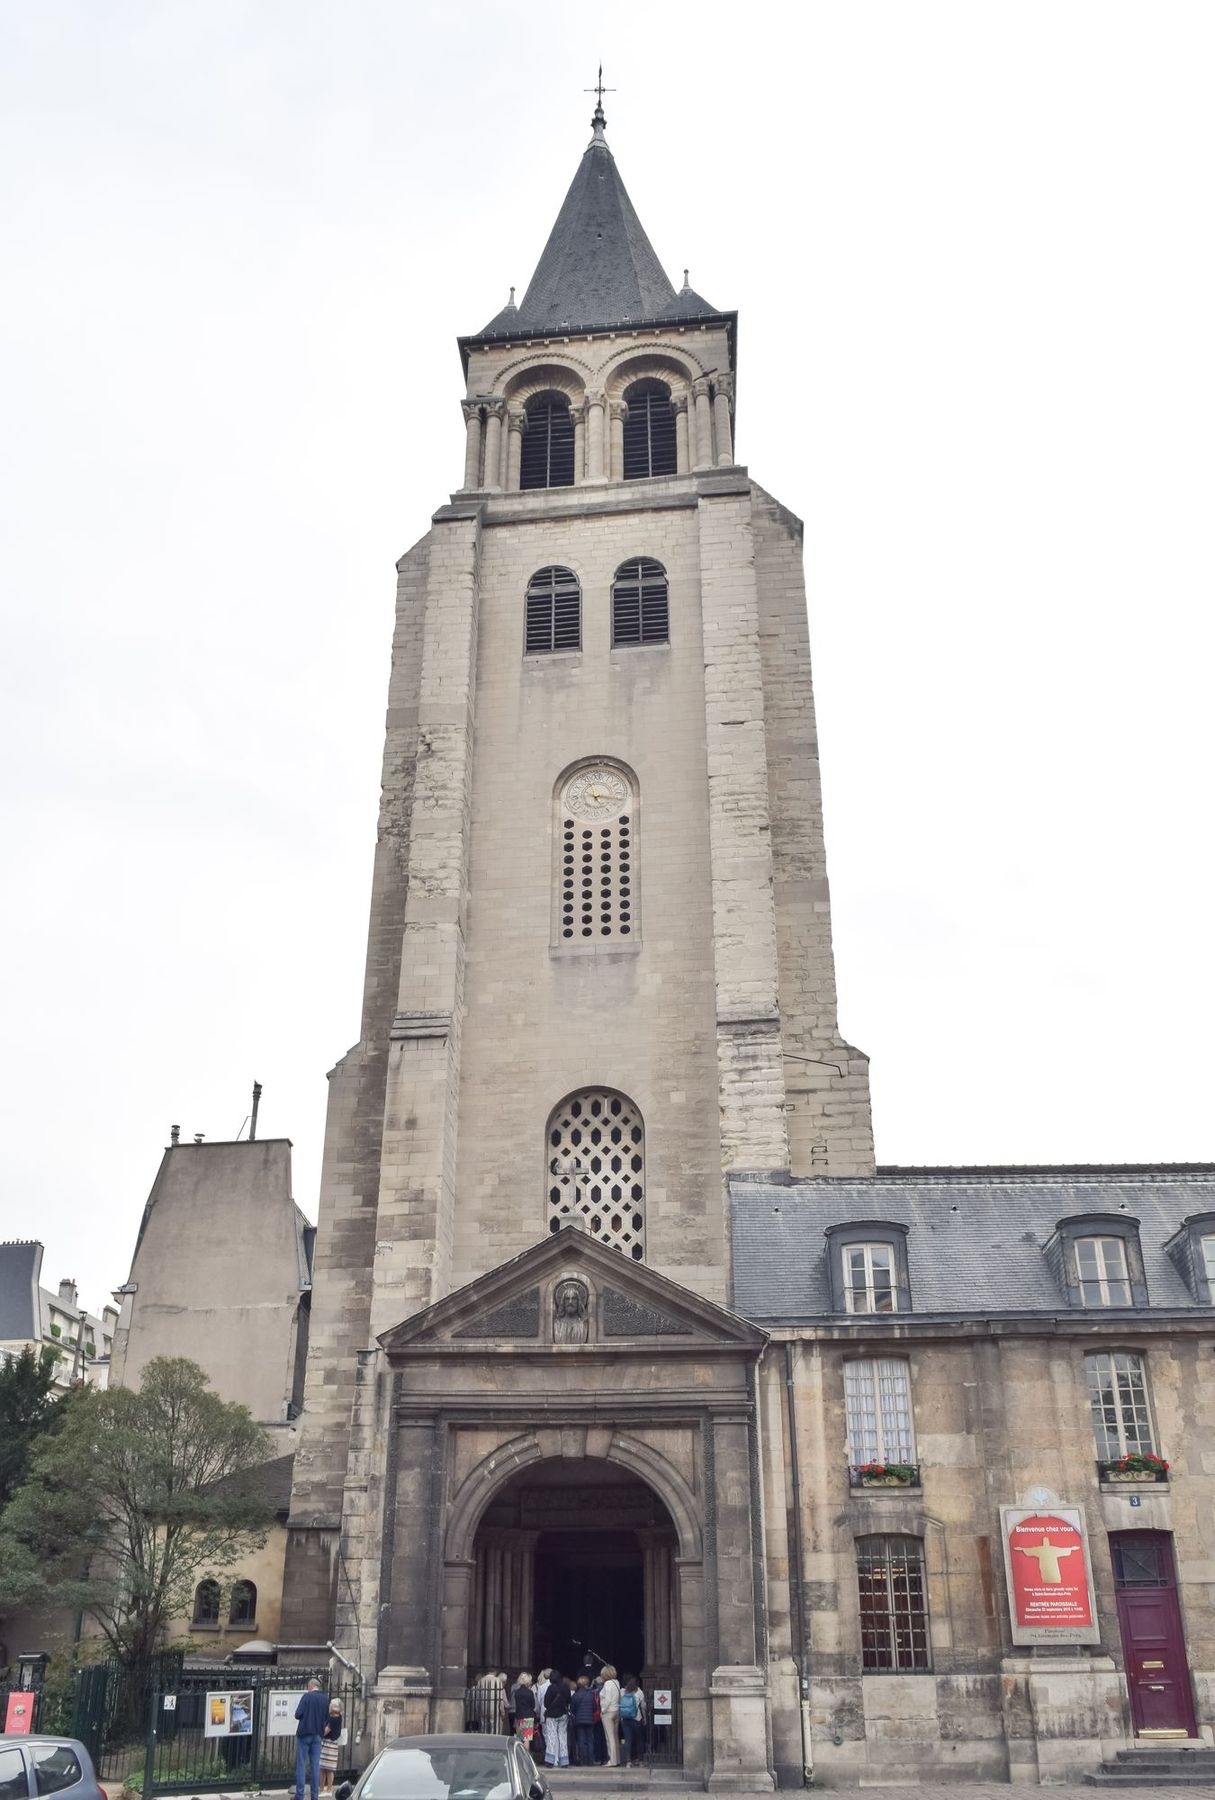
[110, 1705]
[656, 1738]
[233, 1728]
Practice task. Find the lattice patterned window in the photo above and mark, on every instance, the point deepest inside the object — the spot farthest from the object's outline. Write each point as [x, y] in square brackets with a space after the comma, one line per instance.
[649, 431]
[553, 611]
[1208, 1262]
[206, 1603]
[894, 1614]
[596, 1168]
[877, 1395]
[597, 844]
[1117, 1392]
[1101, 1271]
[547, 456]
[640, 605]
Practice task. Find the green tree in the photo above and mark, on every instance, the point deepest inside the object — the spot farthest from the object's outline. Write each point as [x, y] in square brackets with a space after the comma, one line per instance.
[27, 1407]
[131, 1501]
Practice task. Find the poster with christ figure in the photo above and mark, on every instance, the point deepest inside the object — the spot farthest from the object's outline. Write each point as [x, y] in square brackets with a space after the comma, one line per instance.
[1050, 1582]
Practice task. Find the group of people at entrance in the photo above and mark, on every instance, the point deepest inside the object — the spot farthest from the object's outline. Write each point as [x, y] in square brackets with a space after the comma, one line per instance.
[595, 1719]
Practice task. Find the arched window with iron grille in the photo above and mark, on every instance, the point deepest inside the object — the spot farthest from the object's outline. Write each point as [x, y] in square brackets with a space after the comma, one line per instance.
[649, 431]
[206, 1602]
[552, 611]
[595, 1149]
[640, 612]
[547, 456]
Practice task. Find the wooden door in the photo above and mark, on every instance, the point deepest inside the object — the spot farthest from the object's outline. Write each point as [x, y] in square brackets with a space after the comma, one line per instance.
[1153, 1644]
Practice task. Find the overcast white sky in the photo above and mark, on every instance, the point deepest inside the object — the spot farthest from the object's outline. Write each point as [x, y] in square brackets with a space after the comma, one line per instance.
[971, 246]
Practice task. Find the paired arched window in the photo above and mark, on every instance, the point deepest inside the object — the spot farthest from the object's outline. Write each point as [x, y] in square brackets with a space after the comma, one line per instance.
[596, 834]
[894, 1607]
[206, 1603]
[553, 611]
[649, 431]
[595, 1151]
[547, 456]
[640, 606]
[243, 1610]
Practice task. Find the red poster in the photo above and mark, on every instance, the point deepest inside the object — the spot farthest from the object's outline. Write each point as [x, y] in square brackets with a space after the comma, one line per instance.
[1049, 1578]
[19, 1721]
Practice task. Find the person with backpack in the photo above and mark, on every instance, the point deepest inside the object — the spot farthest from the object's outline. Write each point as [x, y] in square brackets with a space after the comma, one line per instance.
[556, 1703]
[582, 1711]
[632, 1723]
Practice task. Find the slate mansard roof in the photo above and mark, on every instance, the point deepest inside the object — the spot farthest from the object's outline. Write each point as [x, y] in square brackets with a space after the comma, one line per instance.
[975, 1237]
[598, 268]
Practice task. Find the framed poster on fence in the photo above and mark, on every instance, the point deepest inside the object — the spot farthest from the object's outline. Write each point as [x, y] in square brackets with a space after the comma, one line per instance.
[229, 1714]
[280, 1715]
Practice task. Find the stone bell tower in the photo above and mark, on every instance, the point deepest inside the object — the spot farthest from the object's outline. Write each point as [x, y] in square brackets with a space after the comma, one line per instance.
[599, 971]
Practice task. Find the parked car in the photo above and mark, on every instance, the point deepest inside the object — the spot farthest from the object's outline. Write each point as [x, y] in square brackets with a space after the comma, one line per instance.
[458, 1765]
[31, 1766]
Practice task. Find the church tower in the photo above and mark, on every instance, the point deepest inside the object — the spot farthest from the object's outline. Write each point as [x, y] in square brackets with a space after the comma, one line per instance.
[599, 973]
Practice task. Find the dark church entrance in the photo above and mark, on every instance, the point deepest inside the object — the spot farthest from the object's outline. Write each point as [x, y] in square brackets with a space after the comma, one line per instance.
[575, 1557]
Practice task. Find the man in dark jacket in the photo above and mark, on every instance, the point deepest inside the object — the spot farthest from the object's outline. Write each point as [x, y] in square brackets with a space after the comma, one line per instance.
[582, 1711]
[311, 1714]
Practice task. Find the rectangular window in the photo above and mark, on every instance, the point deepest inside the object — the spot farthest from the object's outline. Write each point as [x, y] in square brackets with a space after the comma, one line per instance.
[1117, 1391]
[1101, 1272]
[894, 1617]
[877, 1395]
[869, 1284]
[1208, 1262]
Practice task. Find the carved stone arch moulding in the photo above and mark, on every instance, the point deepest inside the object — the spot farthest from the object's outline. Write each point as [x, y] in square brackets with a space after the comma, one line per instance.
[542, 374]
[495, 1470]
[643, 363]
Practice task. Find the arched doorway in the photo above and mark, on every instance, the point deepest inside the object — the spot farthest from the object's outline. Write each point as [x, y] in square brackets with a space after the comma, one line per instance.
[575, 1557]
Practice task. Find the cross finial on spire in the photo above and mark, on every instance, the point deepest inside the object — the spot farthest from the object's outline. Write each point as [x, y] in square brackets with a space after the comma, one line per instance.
[597, 118]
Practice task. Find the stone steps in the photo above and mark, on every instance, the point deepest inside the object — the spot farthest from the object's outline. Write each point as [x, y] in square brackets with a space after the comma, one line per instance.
[1177, 1766]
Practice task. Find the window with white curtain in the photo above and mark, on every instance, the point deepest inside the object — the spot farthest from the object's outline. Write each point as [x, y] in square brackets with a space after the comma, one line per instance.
[1101, 1271]
[1117, 1391]
[1208, 1261]
[877, 1398]
[869, 1278]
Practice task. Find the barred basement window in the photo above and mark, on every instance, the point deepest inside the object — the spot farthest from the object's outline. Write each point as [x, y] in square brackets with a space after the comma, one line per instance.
[649, 431]
[640, 613]
[596, 1168]
[894, 1617]
[597, 842]
[547, 456]
[553, 611]
[1117, 1392]
[877, 1397]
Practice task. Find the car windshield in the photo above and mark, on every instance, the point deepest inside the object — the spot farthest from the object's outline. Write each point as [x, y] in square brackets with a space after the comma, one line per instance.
[442, 1773]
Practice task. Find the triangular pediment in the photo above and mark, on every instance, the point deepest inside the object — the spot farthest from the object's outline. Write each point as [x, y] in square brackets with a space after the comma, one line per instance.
[570, 1292]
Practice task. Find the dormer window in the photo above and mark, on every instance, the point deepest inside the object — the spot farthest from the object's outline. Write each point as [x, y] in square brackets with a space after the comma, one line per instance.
[1208, 1261]
[868, 1263]
[869, 1284]
[1097, 1261]
[1101, 1271]
[1191, 1250]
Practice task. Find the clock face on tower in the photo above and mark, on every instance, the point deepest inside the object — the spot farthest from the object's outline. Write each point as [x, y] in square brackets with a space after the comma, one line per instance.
[595, 794]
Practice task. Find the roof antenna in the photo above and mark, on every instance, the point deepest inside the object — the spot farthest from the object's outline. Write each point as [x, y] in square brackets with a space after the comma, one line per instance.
[257, 1100]
[686, 283]
[511, 301]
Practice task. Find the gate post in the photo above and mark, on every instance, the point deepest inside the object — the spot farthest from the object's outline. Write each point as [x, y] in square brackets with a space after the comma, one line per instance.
[149, 1755]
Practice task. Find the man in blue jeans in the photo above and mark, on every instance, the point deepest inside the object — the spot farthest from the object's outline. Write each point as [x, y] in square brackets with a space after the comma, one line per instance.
[312, 1712]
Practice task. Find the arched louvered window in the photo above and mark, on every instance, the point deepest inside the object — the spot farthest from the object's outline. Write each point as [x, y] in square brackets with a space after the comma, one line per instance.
[596, 872]
[596, 1168]
[649, 431]
[553, 611]
[547, 457]
[640, 613]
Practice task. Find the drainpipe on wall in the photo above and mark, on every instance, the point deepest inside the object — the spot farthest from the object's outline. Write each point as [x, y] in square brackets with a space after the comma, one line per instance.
[798, 1582]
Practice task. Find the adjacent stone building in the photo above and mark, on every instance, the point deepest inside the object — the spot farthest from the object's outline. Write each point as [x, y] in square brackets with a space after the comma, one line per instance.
[618, 1338]
[32, 1317]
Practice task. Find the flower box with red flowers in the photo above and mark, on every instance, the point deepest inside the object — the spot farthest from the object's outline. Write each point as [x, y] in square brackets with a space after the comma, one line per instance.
[1139, 1465]
[893, 1474]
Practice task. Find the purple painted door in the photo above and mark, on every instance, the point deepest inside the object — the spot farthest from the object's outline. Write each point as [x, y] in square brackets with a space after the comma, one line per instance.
[1149, 1617]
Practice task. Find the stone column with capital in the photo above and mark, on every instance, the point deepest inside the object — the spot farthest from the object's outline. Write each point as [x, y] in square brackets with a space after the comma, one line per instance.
[723, 400]
[472, 443]
[594, 437]
[495, 413]
[578, 414]
[516, 425]
[702, 453]
[679, 406]
[620, 413]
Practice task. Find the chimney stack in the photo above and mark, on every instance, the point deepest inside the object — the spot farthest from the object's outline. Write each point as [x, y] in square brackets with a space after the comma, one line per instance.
[257, 1100]
[67, 1292]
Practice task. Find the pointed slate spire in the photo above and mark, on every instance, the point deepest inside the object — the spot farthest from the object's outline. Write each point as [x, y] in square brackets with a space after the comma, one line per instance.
[598, 267]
